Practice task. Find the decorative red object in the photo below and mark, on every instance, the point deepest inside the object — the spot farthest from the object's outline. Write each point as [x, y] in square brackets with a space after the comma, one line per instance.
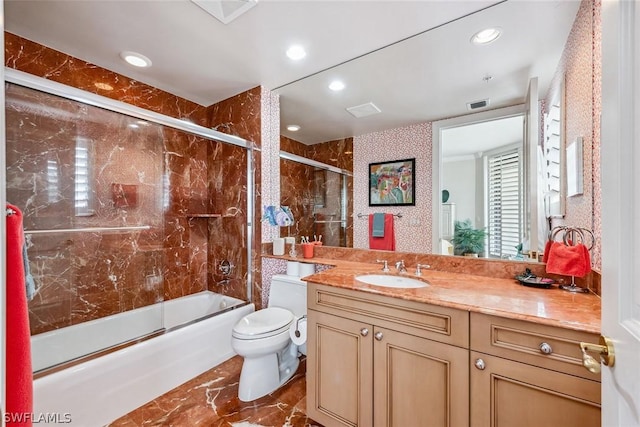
[19, 376]
[386, 243]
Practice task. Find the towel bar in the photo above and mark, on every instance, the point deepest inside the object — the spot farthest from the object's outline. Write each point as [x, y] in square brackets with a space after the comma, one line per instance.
[88, 229]
[360, 215]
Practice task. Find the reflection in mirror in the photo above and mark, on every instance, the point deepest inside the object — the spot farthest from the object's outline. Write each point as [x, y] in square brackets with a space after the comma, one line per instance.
[482, 170]
[554, 154]
[318, 197]
[410, 92]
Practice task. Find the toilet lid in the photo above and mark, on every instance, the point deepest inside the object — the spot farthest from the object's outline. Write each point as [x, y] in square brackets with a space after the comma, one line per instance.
[263, 322]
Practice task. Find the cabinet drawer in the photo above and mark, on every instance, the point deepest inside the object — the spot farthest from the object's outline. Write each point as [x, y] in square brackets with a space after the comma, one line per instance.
[441, 324]
[525, 341]
[508, 393]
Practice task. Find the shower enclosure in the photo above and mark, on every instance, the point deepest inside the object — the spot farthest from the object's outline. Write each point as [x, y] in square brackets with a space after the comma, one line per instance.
[318, 196]
[123, 208]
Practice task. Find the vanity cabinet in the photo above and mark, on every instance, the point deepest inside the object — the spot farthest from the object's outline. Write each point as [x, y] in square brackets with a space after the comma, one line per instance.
[527, 374]
[380, 361]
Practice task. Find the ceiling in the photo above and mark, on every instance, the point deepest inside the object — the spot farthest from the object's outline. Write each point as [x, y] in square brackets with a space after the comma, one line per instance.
[460, 142]
[197, 57]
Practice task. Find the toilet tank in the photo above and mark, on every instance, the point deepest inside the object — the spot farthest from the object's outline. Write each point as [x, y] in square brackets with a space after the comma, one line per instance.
[288, 292]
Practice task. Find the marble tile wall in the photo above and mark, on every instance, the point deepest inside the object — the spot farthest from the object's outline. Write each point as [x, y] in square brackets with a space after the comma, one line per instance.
[241, 116]
[300, 184]
[39, 60]
[164, 178]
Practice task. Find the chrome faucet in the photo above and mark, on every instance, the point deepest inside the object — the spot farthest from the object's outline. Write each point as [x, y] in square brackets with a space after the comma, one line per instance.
[385, 267]
[401, 267]
[419, 266]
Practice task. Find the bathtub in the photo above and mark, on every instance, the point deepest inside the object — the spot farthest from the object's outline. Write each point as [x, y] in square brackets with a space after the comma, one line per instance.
[98, 391]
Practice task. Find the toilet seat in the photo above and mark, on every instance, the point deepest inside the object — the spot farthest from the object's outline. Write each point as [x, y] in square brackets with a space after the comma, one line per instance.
[263, 323]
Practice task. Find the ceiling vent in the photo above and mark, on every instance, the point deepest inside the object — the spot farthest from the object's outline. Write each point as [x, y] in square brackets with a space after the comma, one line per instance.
[225, 10]
[364, 110]
[477, 104]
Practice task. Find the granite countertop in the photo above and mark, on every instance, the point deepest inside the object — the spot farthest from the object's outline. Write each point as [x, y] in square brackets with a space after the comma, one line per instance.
[495, 296]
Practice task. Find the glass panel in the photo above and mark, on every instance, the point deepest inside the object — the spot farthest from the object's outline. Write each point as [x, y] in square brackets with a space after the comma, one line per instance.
[120, 214]
[93, 221]
[318, 199]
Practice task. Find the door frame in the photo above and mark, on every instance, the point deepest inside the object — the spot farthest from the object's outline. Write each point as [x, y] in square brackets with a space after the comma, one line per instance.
[620, 171]
[436, 158]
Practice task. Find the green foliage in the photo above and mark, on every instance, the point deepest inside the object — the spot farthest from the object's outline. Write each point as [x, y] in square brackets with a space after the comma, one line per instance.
[467, 239]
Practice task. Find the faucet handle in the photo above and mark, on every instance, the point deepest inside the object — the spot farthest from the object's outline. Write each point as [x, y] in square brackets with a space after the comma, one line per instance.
[385, 267]
[419, 266]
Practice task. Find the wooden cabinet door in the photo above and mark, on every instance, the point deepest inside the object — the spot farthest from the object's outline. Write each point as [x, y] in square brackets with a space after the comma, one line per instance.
[339, 370]
[505, 393]
[419, 382]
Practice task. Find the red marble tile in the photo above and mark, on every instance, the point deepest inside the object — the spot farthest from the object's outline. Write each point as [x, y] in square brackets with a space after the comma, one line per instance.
[173, 173]
[211, 399]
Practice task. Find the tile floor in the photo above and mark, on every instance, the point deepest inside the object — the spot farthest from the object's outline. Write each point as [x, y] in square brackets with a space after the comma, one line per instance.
[211, 399]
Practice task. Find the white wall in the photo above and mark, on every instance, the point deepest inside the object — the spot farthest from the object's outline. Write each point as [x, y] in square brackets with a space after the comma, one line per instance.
[459, 178]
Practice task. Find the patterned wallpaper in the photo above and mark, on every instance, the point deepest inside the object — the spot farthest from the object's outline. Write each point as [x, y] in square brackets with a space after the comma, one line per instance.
[413, 230]
[581, 66]
[270, 159]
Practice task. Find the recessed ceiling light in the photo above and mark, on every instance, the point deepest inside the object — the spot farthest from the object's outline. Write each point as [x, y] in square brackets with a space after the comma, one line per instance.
[103, 86]
[293, 128]
[296, 52]
[486, 36]
[136, 59]
[336, 85]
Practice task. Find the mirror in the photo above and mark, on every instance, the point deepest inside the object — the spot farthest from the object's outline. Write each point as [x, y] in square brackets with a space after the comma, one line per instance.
[481, 168]
[318, 195]
[531, 45]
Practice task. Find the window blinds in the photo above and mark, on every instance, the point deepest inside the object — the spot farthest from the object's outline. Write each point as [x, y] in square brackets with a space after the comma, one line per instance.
[504, 203]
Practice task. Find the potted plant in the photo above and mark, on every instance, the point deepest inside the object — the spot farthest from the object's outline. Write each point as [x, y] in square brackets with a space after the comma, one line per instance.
[468, 240]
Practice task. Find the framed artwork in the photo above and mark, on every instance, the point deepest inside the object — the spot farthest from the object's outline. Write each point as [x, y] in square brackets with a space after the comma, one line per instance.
[392, 183]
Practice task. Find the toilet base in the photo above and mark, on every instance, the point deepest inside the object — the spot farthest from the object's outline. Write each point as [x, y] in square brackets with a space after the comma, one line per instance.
[264, 374]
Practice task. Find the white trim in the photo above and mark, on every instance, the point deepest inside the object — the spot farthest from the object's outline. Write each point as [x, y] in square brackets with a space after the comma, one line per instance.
[620, 161]
[436, 161]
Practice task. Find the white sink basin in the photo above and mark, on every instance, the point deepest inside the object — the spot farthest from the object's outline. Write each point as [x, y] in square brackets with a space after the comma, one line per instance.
[390, 281]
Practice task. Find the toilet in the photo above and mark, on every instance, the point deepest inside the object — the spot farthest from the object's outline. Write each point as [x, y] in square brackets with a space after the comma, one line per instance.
[262, 339]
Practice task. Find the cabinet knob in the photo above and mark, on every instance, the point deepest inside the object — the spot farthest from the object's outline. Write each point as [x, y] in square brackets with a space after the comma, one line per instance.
[364, 332]
[378, 336]
[480, 364]
[545, 348]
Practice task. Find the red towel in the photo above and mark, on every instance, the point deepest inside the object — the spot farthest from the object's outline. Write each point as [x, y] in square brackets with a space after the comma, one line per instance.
[568, 260]
[386, 243]
[547, 248]
[19, 374]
